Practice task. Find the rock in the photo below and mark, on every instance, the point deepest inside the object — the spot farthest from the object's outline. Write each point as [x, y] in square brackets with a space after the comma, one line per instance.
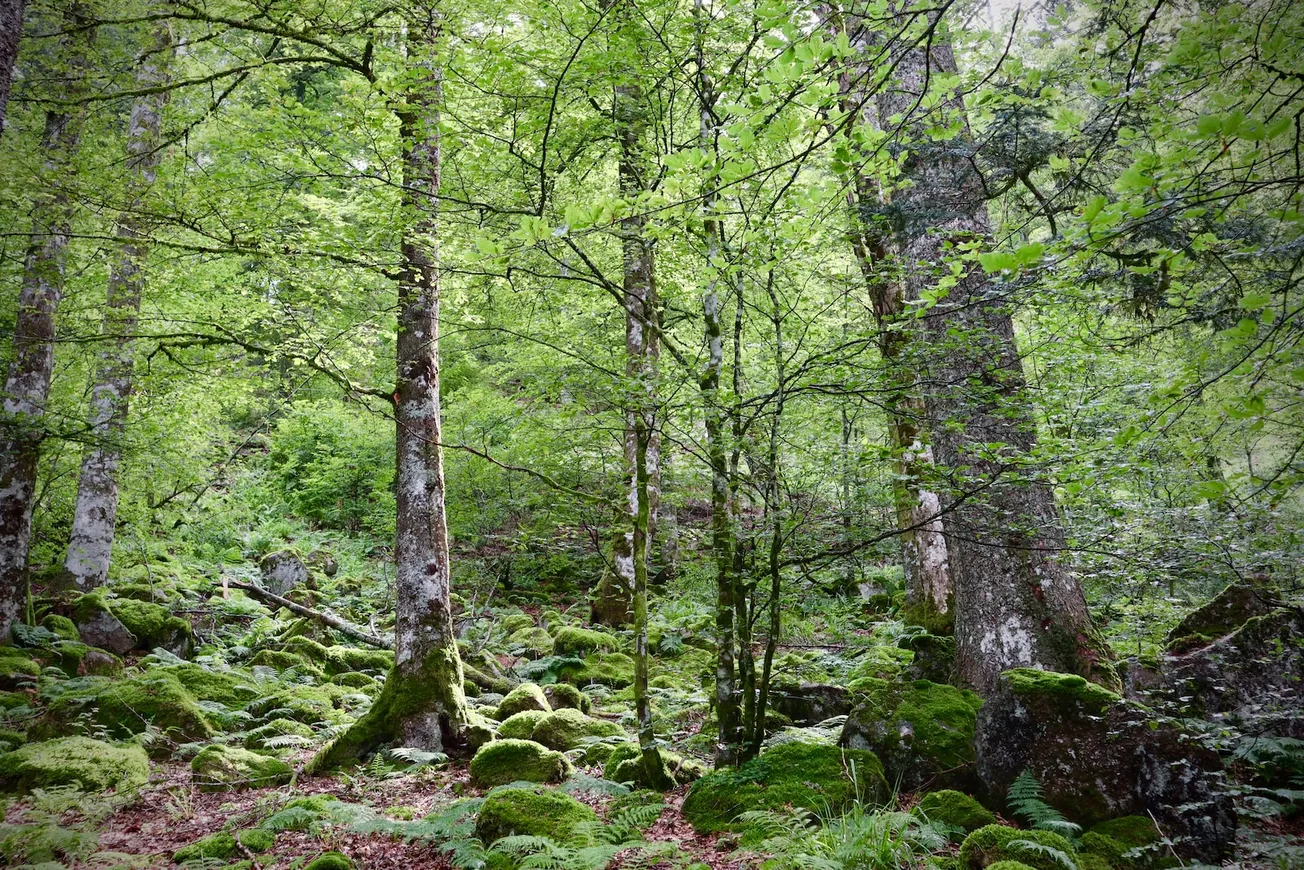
[955, 809]
[534, 643]
[562, 695]
[813, 776]
[330, 861]
[99, 663]
[280, 660]
[226, 768]
[526, 696]
[625, 764]
[934, 658]
[604, 669]
[355, 680]
[569, 729]
[509, 760]
[90, 765]
[222, 845]
[811, 703]
[100, 628]
[323, 562]
[150, 625]
[922, 732]
[126, 707]
[570, 640]
[283, 571]
[1229, 609]
[519, 726]
[1098, 757]
[993, 844]
[537, 811]
[1114, 839]
[16, 668]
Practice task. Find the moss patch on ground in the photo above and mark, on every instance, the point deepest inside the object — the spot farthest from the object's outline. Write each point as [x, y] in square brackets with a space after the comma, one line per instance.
[91, 765]
[955, 809]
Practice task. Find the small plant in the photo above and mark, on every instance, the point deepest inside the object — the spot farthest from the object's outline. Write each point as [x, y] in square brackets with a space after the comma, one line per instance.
[1028, 802]
[859, 839]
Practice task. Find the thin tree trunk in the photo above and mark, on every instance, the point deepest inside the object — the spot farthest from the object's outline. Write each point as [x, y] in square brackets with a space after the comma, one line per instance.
[27, 387]
[422, 704]
[743, 591]
[91, 542]
[653, 769]
[1017, 604]
[11, 31]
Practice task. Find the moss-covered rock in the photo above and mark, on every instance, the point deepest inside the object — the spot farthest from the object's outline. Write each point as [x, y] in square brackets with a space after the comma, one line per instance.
[991, 844]
[570, 640]
[16, 668]
[922, 732]
[330, 861]
[1098, 757]
[11, 739]
[61, 626]
[1231, 608]
[99, 663]
[514, 622]
[257, 839]
[932, 657]
[510, 760]
[219, 846]
[282, 660]
[1014, 865]
[521, 725]
[257, 738]
[228, 688]
[537, 811]
[612, 669]
[355, 680]
[1113, 842]
[813, 776]
[534, 642]
[227, 768]
[127, 707]
[91, 765]
[344, 659]
[570, 729]
[526, 696]
[153, 625]
[563, 695]
[307, 704]
[625, 764]
[955, 809]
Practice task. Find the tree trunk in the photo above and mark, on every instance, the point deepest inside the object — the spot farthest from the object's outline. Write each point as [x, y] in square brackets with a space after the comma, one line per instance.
[653, 769]
[1016, 603]
[924, 555]
[91, 542]
[11, 31]
[27, 386]
[422, 704]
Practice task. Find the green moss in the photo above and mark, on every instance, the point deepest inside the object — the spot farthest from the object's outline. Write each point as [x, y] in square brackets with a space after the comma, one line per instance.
[993, 843]
[1011, 865]
[1131, 831]
[307, 647]
[91, 765]
[922, 731]
[124, 708]
[98, 662]
[355, 680]
[955, 809]
[16, 667]
[1106, 848]
[521, 725]
[570, 640]
[345, 659]
[813, 776]
[604, 669]
[570, 729]
[281, 660]
[63, 627]
[258, 737]
[257, 839]
[218, 846]
[228, 688]
[526, 696]
[152, 624]
[510, 760]
[625, 764]
[307, 704]
[537, 811]
[563, 695]
[14, 700]
[11, 739]
[1087, 861]
[927, 616]
[227, 768]
[534, 641]
[514, 622]
[1063, 688]
[330, 861]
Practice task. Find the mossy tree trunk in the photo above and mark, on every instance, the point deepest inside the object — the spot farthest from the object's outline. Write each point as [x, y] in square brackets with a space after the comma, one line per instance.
[11, 31]
[1016, 602]
[653, 769]
[27, 386]
[90, 544]
[422, 704]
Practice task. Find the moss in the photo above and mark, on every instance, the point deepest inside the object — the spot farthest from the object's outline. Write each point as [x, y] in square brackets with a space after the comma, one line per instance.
[218, 846]
[534, 641]
[526, 696]
[1106, 848]
[307, 704]
[521, 725]
[992, 843]
[226, 768]
[813, 776]
[228, 688]
[1062, 688]
[11, 739]
[570, 729]
[955, 809]
[604, 669]
[257, 839]
[928, 617]
[258, 737]
[485, 681]
[307, 647]
[1086, 861]
[1131, 831]
[14, 700]
[281, 660]
[99, 663]
[124, 708]
[16, 667]
[515, 622]
[625, 764]
[345, 659]
[570, 640]
[355, 680]
[1231, 608]
[152, 624]
[510, 760]
[1010, 865]
[563, 695]
[91, 765]
[330, 861]
[537, 811]
[63, 627]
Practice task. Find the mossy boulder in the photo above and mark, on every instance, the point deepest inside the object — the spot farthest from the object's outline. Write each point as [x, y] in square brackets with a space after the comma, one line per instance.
[625, 764]
[992, 844]
[515, 622]
[227, 768]
[355, 680]
[537, 811]
[933, 657]
[330, 861]
[813, 776]
[571, 640]
[16, 667]
[99, 663]
[534, 642]
[283, 660]
[923, 732]
[101, 618]
[526, 696]
[344, 659]
[955, 809]
[806, 704]
[61, 626]
[11, 739]
[283, 570]
[613, 669]
[257, 738]
[562, 695]
[1098, 757]
[1231, 608]
[229, 688]
[307, 704]
[1126, 843]
[219, 846]
[510, 760]
[91, 765]
[521, 725]
[126, 707]
[570, 729]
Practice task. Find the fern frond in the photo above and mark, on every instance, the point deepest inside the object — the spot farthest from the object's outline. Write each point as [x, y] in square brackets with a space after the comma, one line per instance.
[1056, 855]
[1028, 802]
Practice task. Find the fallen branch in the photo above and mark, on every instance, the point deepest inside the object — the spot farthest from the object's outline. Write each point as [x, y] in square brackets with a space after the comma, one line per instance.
[353, 631]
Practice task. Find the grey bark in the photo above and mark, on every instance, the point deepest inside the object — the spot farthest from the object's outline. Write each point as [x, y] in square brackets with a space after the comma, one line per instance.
[27, 386]
[11, 31]
[1017, 603]
[90, 545]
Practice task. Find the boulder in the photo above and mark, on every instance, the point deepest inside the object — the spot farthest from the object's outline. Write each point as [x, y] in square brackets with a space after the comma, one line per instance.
[526, 696]
[16, 667]
[323, 562]
[1098, 757]
[227, 768]
[283, 571]
[100, 628]
[570, 640]
[519, 726]
[612, 669]
[562, 695]
[1229, 609]
[537, 811]
[993, 844]
[922, 732]
[809, 704]
[90, 765]
[534, 643]
[625, 764]
[570, 729]
[934, 657]
[504, 761]
[123, 624]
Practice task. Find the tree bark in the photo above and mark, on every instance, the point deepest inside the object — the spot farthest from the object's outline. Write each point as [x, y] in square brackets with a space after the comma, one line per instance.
[27, 387]
[11, 31]
[90, 545]
[1017, 604]
[422, 704]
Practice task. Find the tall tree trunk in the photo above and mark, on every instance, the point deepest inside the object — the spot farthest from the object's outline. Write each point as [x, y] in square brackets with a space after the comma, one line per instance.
[653, 768]
[422, 704]
[1017, 604]
[91, 542]
[27, 386]
[11, 31]
[924, 552]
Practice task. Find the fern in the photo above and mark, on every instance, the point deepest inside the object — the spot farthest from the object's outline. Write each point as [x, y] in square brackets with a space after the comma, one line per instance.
[859, 839]
[1028, 802]
[582, 783]
[417, 758]
[547, 669]
[1056, 855]
[293, 819]
[627, 825]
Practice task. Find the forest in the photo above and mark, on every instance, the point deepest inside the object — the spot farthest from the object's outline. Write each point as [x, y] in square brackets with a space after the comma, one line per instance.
[686, 434]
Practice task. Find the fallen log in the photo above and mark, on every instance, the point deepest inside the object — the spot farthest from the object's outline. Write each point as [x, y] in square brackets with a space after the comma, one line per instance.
[353, 631]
